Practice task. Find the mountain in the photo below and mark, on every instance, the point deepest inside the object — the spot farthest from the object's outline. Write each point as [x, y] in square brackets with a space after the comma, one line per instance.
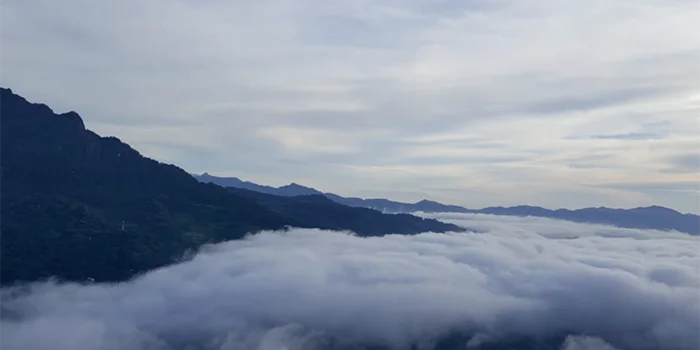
[304, 211]
[653, 217]
[292, 189]
[76, 205]
[389, 206]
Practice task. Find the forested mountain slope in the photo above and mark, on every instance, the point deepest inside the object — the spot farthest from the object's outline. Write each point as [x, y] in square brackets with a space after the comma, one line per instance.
[76, 205]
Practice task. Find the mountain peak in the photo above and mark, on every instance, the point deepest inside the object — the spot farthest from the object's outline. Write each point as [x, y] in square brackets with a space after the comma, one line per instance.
[656, 209]
[74, 119]
[36, 114]
[293, 189]
[8, 96]
[294, 184]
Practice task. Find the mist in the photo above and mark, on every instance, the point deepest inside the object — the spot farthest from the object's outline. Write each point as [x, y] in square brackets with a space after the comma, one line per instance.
[511, 281]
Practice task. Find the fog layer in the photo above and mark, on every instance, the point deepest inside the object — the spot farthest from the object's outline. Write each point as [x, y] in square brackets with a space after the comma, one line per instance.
[514, 278]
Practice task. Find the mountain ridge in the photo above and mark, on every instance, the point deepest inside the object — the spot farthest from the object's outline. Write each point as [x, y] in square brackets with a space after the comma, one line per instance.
[76, 205]
[650, 217]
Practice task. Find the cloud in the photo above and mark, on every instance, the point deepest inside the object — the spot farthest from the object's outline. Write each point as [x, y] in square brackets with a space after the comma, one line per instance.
[681, 187]
[685, 163]
[628, 136]
[512, 280]
[646, 131]
[370, 83]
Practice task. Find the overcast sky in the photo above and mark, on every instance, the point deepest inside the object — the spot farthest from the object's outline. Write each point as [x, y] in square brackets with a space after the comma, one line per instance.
[545, 102]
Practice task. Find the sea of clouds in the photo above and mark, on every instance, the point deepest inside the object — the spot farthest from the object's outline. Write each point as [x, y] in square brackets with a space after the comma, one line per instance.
[583, 287]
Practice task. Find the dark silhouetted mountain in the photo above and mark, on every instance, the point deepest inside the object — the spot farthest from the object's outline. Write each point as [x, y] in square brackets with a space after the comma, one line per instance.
[653, 217]
[389, 206]
[303, 211]
[232, 182]
[76, 205]
[292, 189]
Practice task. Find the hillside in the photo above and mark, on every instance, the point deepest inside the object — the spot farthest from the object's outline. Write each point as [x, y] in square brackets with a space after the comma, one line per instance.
[76, 205]
[303, 211]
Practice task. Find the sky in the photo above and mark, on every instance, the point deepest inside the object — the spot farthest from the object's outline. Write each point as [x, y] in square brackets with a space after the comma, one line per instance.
[554, 103]
[607, 288]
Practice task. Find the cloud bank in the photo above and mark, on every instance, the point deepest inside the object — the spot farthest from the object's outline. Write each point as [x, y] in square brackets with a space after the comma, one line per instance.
[514, 281]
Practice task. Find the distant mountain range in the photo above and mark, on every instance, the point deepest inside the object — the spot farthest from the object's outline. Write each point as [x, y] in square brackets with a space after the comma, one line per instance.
[76, 205]
[290, 190]
[294, 189]
[653, 217]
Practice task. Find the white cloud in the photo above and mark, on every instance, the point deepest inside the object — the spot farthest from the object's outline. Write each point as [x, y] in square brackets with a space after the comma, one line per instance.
[632, 289]
[310, 140]
[535, 79]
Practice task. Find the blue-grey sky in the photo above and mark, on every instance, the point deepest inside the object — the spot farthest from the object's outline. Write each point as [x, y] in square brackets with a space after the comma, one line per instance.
[555, 103]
